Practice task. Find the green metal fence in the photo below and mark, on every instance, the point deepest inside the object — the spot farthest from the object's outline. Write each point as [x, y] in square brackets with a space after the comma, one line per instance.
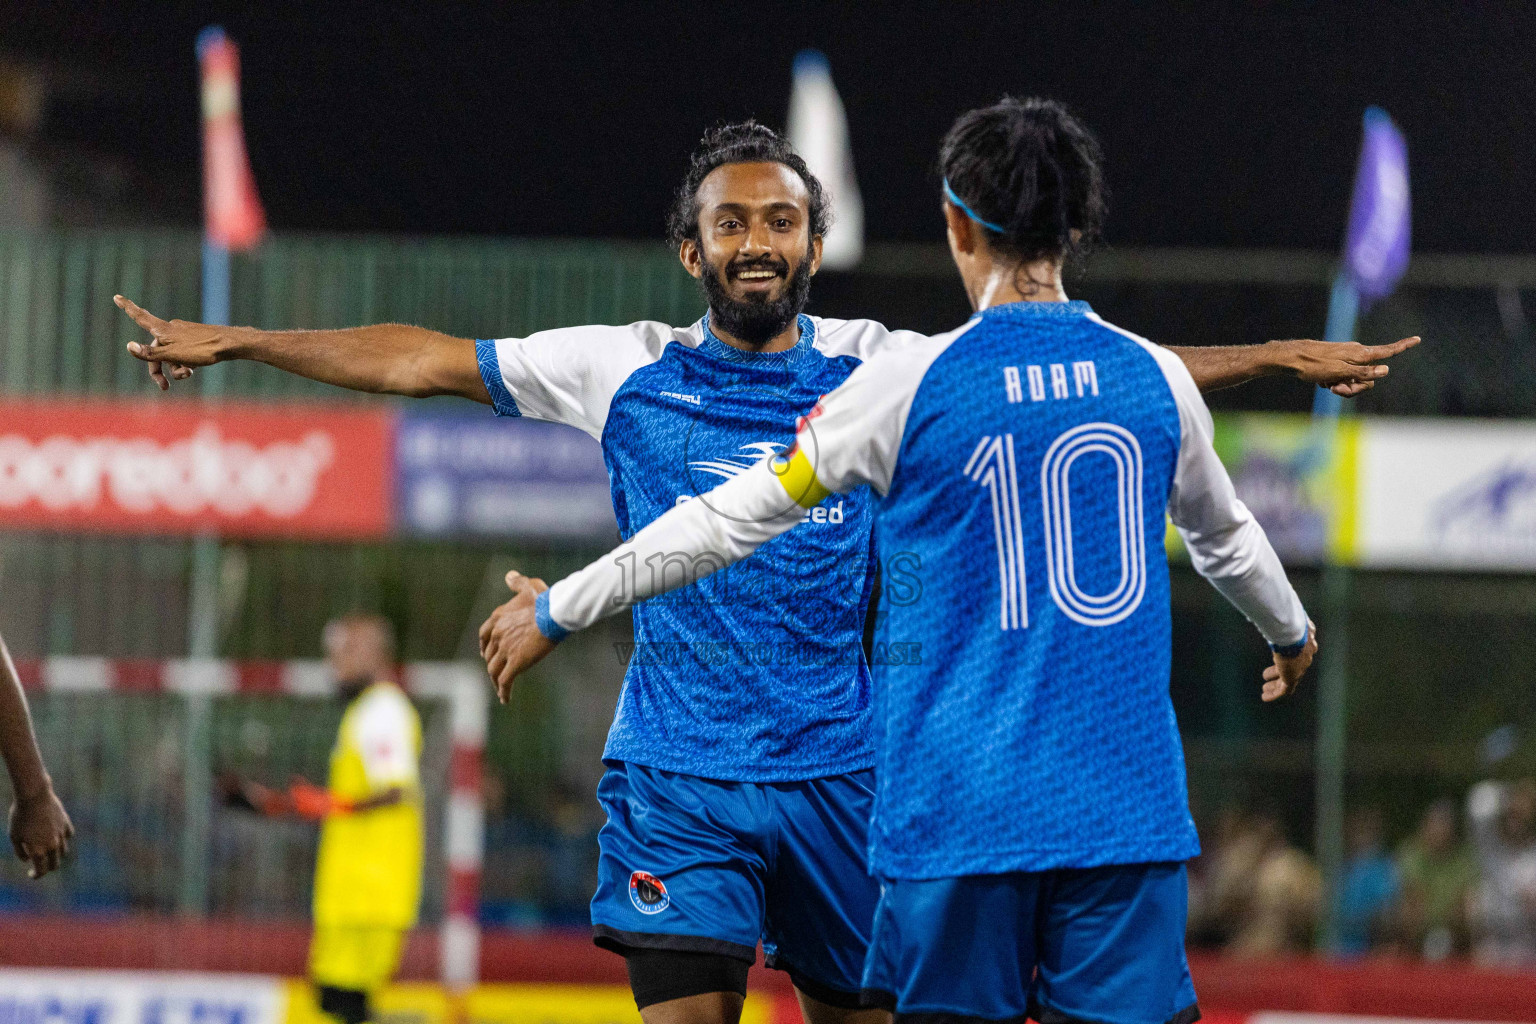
[60, 332]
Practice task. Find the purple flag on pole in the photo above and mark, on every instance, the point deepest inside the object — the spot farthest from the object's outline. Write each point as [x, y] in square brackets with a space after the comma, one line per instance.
[1376, 253]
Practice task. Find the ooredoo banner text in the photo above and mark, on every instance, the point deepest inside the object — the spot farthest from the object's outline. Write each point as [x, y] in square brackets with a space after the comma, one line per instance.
[238, 469]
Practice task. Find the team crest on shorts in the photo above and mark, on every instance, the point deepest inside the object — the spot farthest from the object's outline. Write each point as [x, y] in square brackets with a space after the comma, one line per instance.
[647, 893]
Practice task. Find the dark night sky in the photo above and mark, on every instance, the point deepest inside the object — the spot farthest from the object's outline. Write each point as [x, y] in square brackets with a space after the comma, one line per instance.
[1222, 126]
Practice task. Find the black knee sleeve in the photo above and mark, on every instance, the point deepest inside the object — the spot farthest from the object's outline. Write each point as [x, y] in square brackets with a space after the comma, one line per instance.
[658, 975]
[347, 1005]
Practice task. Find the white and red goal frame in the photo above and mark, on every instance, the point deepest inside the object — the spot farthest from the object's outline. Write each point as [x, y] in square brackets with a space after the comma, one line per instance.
[462, 685]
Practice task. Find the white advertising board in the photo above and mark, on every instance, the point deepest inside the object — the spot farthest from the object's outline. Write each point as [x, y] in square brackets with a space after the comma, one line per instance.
[123, 997]
[1446, 494]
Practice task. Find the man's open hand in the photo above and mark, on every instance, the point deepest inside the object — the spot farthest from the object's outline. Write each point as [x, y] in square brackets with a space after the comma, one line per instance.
[1282, 678]
[175, 346]
[510, 641]
[1345, 368]
[40, 832]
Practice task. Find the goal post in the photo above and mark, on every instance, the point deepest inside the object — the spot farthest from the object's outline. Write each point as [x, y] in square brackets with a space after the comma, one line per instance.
[113, 734]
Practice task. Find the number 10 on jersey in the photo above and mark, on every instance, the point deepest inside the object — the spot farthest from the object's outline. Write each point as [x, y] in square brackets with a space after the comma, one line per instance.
[993, 466]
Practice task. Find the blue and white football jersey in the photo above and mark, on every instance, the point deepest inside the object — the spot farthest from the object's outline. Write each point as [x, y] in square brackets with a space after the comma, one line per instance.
[758, 675]
[1026, 463]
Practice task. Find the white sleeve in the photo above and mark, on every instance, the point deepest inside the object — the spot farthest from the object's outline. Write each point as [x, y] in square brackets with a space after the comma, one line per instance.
[863, 339]
[386, 740]
[685, 544]
[568, 375]
[1226, 544]
[852, 436]
[849, 439]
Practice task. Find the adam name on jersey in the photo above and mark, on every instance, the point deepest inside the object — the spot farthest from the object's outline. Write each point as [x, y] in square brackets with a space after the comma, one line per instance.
[1085, 380]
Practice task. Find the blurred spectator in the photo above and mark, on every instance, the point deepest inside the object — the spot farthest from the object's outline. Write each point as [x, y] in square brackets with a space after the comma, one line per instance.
[1286, 893]
[1251, 892]
[1368, 887]
[1221, 879]
[1438, 877]
[1503, 826]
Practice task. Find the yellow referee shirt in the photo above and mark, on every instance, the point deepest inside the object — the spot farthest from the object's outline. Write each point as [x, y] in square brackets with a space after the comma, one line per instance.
[368, 873]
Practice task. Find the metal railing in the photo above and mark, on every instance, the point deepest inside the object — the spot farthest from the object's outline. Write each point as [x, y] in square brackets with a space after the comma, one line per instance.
[59, 331]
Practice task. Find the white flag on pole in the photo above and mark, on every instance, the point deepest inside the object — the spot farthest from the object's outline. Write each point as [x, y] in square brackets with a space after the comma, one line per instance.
[818, 129]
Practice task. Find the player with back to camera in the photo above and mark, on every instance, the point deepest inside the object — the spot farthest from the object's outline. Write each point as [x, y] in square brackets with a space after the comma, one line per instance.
[1031, 820]
[738, 786]
[368, 871]
[40, 827]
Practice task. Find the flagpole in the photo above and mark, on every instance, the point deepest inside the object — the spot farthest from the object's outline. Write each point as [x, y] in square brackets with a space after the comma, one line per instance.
[1333, 670]
[1376, 252]
[202, 608]
[232, 219]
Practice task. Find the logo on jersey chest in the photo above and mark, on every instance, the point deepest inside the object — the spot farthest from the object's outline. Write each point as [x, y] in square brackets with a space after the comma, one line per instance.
[737, 463]
[648, 893]
[730, 466]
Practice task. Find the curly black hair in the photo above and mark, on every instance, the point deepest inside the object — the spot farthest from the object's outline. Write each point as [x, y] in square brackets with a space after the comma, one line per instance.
[1032, 168]
[742, 143]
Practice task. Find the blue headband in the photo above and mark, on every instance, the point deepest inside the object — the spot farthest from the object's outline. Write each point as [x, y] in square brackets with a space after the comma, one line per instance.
[949, 194]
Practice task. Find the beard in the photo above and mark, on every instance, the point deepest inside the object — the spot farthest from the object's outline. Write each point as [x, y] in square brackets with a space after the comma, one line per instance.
[757, 320]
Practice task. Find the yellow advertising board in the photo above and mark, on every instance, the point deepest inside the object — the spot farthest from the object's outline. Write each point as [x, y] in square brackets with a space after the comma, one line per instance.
[1299, 476]
[426, 1003]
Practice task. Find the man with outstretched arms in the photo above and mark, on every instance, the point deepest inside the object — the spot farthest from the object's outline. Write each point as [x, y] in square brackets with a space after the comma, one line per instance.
[1031, 820]
[739, 760]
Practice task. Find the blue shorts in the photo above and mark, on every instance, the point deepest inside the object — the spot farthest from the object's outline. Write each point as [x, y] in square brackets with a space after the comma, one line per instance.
[1075, 944]
[700, 865]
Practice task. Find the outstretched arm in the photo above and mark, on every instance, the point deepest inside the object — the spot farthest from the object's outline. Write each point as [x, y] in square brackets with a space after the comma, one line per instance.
[392, 359]
[1228, 546]
[682, 546]
[1346, 368]
[40, 828]
[854, 434]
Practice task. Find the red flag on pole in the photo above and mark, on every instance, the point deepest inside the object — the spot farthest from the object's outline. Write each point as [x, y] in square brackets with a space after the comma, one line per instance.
[232, 214]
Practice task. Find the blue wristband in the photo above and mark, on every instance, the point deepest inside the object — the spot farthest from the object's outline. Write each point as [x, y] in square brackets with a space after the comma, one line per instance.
[1287, 651]
[551, 629]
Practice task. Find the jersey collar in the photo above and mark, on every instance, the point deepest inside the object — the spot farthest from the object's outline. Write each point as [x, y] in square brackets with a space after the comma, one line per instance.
[1075, 307]
[731, 354]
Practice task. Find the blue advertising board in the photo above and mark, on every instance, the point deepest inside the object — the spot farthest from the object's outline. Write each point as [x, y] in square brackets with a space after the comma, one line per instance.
[466, 473]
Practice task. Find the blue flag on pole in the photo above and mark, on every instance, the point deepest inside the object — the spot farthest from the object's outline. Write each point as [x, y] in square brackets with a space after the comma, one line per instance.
[1376, 249]
[1376, 244]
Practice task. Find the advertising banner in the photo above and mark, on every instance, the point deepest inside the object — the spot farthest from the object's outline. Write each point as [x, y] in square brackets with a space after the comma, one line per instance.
[468, 473]
[1387, 493]
[1297, 475]
[1390, 493]
[1447, 494]
[238, 469]
[139, 997]
[594, 1004]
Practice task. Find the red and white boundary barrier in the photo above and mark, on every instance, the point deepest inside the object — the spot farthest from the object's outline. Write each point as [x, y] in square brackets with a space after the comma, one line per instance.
[462, 684]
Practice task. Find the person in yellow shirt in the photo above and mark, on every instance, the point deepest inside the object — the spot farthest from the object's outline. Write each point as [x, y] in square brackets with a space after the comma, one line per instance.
[368, 872]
